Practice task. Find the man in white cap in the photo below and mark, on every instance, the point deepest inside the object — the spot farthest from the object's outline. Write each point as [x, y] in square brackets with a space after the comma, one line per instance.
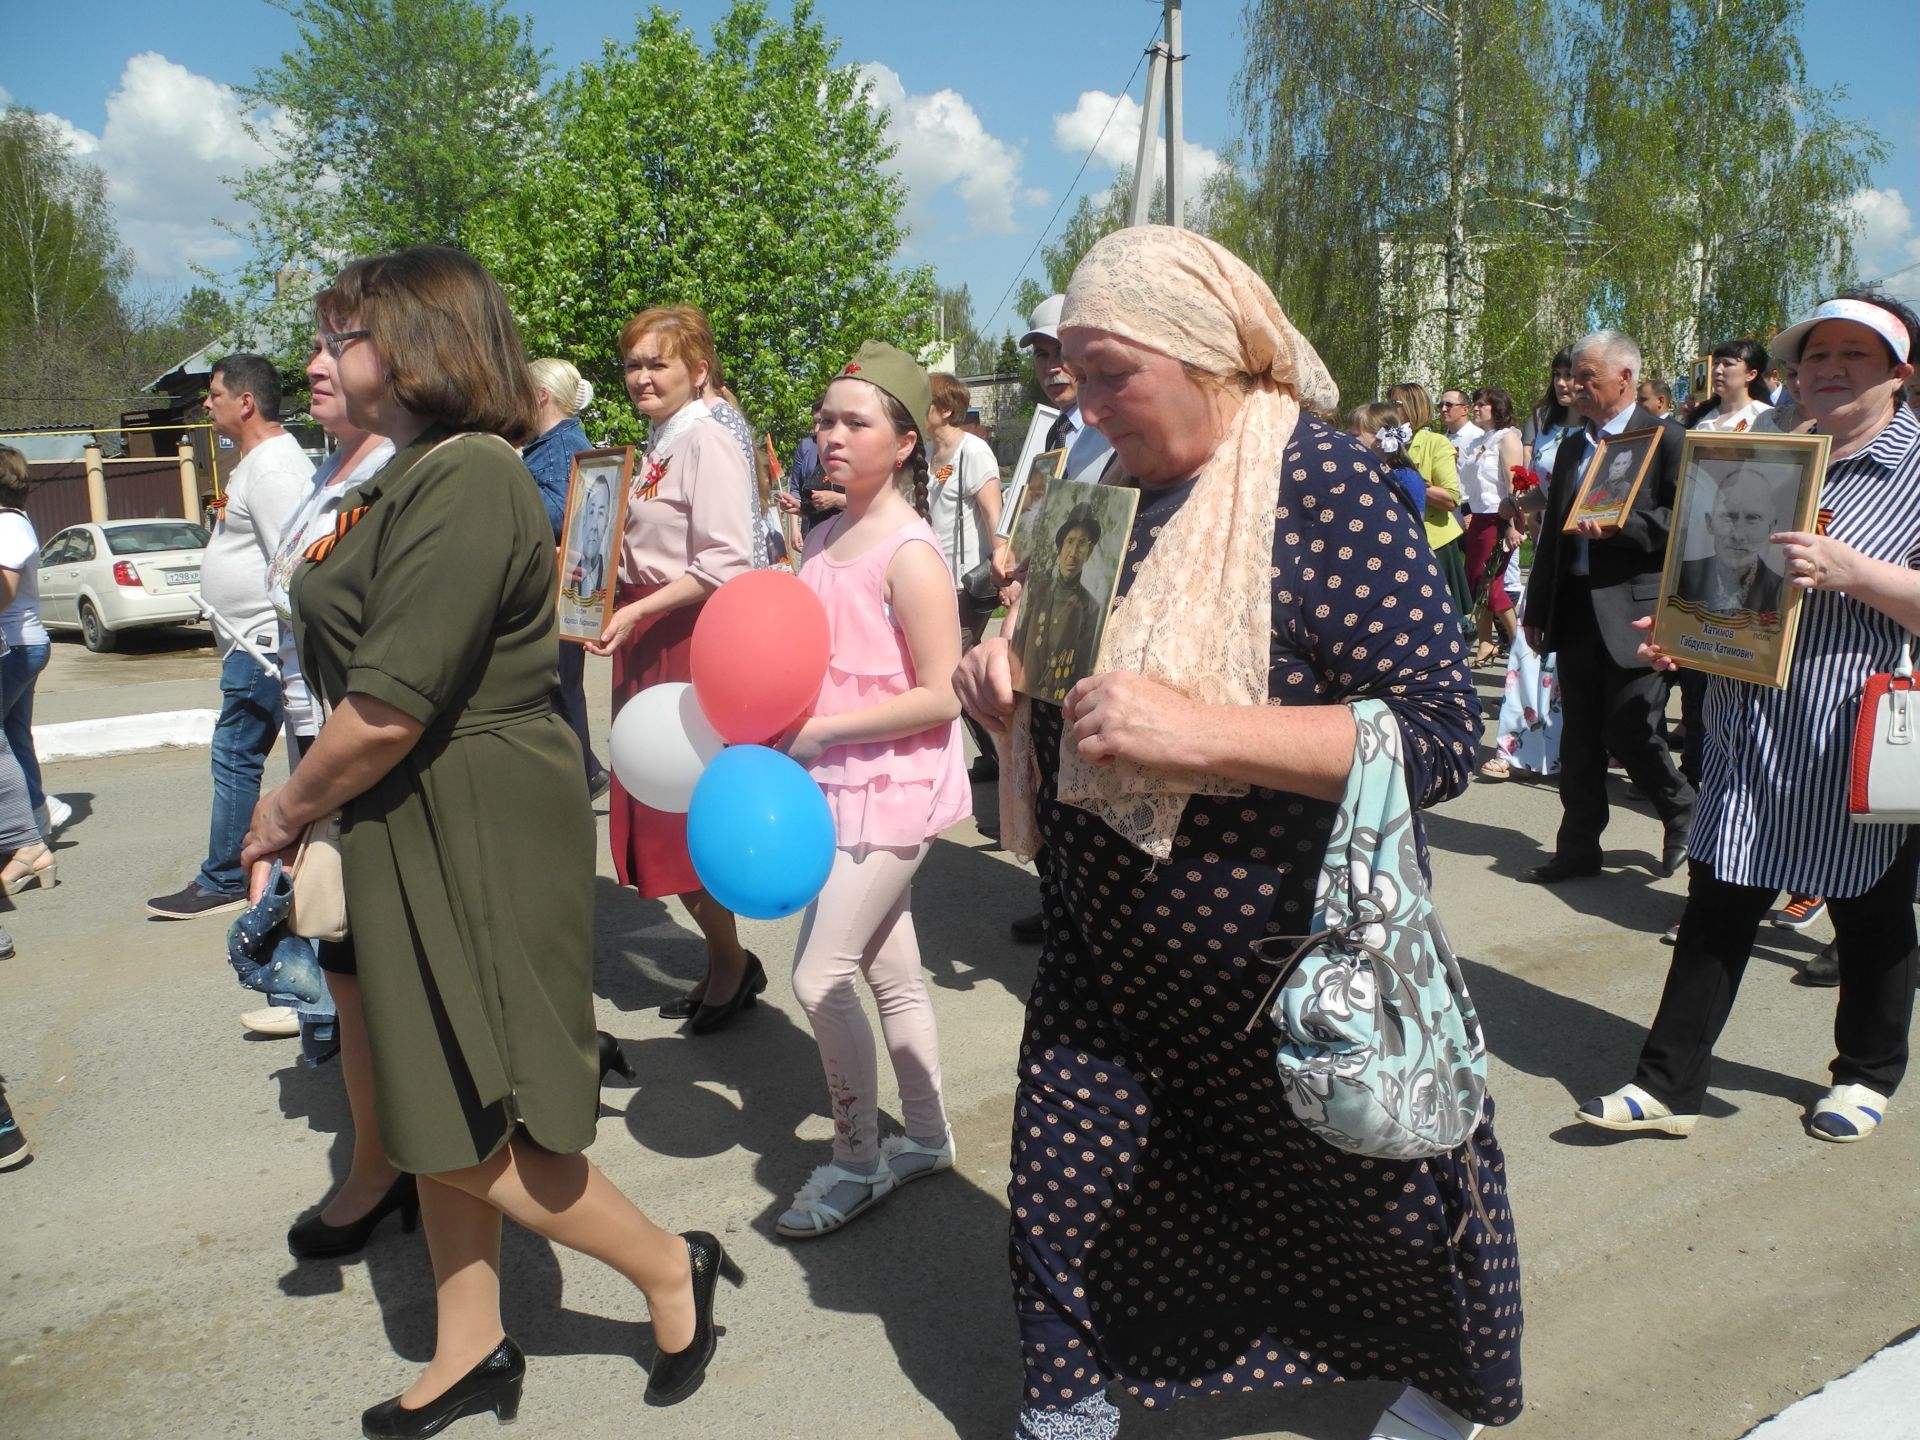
[1087, 448]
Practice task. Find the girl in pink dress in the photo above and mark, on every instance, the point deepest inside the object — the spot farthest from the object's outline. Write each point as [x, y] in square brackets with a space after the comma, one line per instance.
[884, 743]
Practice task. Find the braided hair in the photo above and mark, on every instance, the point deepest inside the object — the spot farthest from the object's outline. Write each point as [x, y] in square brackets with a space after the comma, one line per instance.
[913, 474]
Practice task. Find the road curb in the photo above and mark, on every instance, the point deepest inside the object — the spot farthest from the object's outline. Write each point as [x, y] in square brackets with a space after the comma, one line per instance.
[124, 734]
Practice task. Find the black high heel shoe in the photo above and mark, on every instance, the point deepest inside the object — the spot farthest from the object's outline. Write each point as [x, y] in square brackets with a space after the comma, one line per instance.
[314, 1239]
[678, 1375]
[611, 1058]
[494, 1384]
[711, 1017]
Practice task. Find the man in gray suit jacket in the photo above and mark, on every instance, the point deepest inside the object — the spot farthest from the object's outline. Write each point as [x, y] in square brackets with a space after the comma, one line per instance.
[1583, 595]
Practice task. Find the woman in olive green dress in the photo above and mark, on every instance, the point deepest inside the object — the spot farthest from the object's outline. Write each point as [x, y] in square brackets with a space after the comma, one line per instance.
[427, 623]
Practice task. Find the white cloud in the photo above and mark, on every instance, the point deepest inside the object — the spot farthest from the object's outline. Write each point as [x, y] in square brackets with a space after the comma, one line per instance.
[942, 144]
[1080, 130]
[169, 138]
[1886, 239]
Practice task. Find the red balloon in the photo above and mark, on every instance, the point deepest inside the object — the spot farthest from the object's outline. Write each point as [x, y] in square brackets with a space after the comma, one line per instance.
[759, 654]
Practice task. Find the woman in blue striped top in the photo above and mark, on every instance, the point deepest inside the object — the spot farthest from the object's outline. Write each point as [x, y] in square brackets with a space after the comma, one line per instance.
[1772, 813]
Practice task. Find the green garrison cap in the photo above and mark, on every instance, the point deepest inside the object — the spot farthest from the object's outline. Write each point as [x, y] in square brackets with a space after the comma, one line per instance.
[895, 372]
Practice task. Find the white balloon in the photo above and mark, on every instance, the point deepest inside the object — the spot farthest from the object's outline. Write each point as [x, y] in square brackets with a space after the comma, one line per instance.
[661, 742]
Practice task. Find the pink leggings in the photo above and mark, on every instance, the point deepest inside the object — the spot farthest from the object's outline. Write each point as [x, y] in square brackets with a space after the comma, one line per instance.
[860, 925]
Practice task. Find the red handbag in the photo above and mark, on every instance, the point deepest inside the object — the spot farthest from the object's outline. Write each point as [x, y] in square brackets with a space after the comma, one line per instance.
[1885, 784]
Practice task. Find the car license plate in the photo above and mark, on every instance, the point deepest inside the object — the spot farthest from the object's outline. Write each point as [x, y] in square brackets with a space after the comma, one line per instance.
[183, 577]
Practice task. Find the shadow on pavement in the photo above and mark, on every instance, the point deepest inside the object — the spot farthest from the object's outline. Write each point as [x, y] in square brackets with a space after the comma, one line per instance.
[1587, 1050]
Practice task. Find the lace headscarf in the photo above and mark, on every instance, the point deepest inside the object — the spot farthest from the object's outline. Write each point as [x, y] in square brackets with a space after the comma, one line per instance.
[1199, 615]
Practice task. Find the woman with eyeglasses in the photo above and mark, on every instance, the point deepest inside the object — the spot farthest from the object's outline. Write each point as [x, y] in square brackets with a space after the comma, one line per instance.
[688, 530]
[425, 619]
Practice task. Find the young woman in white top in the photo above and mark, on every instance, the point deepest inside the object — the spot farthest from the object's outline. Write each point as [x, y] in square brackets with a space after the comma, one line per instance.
[1736, 400]
[963, 507]
[1486, 480]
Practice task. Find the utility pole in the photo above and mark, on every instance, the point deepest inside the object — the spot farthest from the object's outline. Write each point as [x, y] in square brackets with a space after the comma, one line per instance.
[1164, 64]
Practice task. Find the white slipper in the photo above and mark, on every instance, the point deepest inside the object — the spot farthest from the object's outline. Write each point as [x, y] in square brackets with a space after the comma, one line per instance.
[1631, 1108]
[896, 1146]
[811, 1216]
[1416, 1415]
[1847, 1113]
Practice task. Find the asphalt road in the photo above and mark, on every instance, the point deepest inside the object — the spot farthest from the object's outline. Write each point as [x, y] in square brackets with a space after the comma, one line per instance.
[1672, 1288]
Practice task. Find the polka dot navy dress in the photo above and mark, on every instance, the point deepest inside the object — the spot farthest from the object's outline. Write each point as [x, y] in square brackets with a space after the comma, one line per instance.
[1173, 1228]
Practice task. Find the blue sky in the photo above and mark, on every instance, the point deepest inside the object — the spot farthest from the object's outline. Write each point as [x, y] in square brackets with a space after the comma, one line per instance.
[995, 106]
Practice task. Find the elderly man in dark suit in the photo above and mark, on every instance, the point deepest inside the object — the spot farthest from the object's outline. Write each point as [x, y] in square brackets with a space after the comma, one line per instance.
[1584, 594]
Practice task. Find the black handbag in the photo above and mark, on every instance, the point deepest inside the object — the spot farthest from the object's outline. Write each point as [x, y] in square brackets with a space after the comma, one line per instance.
[978, 583]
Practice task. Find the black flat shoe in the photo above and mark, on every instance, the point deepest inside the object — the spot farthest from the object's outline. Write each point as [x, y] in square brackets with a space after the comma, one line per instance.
[709, 1018]
[611, 1058]
[314, 1239]
[494, 1384]
[681, 1007]
[678, 1375]
[1556, 870]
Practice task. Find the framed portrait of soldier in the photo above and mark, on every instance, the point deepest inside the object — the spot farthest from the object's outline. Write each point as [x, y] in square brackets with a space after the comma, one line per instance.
[1725, 606]
[1613, 476]
[1080, 538]
[590, 541]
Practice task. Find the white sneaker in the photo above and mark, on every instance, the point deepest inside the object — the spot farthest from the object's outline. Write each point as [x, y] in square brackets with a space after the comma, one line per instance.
[278, 1021]
[50, 814]
[1416, 1415]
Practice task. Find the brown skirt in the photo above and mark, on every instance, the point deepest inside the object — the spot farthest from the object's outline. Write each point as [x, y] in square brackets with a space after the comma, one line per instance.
[650, 846]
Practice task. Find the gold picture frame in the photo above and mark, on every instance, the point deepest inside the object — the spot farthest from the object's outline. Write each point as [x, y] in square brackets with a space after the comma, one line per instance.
[1726, 606]
[1613, 478]
[590, 542]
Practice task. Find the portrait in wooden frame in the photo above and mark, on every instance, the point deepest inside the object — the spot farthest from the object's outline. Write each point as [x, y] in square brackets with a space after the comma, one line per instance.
[1613, 477]
[590, 541]
[1725, 606]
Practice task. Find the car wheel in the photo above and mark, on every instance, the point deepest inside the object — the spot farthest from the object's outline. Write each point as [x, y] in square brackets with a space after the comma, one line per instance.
[99, 639]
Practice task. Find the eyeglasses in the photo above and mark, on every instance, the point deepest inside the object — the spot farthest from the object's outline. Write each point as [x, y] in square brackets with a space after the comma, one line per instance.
[335, 341]
[1453, 404]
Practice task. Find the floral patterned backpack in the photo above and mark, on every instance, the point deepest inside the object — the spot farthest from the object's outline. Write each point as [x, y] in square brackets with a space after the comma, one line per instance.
[1379, 1049]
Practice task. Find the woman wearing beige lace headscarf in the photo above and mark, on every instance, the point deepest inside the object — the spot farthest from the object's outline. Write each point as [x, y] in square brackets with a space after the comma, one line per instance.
[1175, 1230]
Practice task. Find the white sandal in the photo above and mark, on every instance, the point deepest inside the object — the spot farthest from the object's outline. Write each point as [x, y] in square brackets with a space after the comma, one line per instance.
[1847, 1113]
[1631, 1108]
[895, 1146]
[811, 1216]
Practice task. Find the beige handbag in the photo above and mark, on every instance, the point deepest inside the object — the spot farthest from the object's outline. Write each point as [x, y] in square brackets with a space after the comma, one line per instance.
[319, 910]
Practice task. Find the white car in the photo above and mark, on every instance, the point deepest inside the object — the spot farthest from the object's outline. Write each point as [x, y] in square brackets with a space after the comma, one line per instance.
[102, 579]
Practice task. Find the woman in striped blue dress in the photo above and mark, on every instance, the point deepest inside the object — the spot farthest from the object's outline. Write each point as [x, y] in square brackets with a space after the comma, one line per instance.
[1772, 813]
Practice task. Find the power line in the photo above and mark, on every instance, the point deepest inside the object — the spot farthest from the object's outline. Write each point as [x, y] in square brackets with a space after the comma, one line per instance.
[1125, 91]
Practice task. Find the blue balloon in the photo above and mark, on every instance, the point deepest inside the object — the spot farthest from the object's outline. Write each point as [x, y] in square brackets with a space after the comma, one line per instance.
[759, 832]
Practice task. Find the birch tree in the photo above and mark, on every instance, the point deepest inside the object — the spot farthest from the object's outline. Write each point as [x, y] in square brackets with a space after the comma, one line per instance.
[1401, 174]
[1716, 178]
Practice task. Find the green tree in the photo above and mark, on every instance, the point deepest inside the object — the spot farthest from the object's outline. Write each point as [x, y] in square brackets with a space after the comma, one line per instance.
[1403, 182]
[61, 261]
[62, 268]
[745, 179]
[1716, 177]
[973, 353]
[391, 122]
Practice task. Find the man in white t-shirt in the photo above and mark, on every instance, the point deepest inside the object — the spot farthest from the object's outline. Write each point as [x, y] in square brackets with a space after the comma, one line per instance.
[1456, 415]
[273, 477]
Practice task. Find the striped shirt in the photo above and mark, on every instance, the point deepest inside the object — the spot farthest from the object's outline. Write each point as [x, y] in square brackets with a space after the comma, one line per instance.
[1773, 798]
